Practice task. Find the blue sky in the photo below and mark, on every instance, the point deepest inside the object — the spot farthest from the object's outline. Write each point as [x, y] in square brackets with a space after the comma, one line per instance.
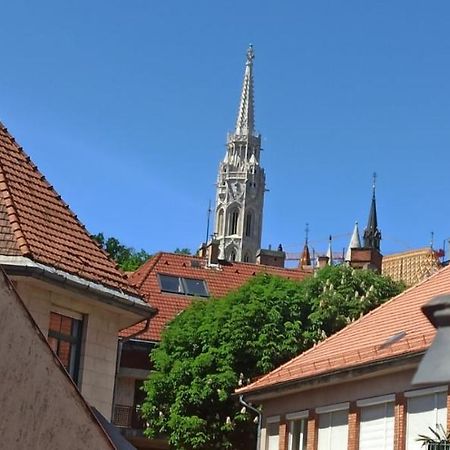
[125, 106]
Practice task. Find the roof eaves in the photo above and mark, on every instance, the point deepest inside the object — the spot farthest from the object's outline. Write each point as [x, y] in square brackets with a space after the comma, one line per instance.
[23, 265]
[329, 377]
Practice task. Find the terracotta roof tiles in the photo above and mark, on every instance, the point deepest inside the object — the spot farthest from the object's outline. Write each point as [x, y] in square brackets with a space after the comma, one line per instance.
[220, 280]
[396, 328]
[36, 223]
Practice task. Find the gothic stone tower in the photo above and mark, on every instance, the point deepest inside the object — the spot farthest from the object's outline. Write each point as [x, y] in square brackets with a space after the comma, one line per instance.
[241, 183]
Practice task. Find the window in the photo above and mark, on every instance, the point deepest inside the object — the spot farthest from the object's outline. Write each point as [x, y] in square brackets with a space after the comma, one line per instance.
[333, 427]
[220, 223]
[297, 426]
[248, 224]
[64, 337]
[376, 430]
[425, 408]
[184, 286]
[272, 433]
[233, 225]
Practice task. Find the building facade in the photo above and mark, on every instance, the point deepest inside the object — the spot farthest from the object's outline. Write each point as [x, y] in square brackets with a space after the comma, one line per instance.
[241, 182]
[355, 391]
[75, 293]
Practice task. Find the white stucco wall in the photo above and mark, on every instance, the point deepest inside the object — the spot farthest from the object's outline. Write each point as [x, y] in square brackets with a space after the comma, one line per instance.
[40, 406]
[101, 324]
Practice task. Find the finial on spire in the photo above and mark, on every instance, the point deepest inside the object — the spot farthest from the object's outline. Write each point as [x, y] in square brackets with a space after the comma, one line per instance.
[306, 233]
[250, 54]
[245, 123]
[374, 183]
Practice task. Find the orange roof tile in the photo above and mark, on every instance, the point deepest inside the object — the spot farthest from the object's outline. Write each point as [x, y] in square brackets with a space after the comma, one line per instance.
[366, 340]
[37, 224]
[220, 280]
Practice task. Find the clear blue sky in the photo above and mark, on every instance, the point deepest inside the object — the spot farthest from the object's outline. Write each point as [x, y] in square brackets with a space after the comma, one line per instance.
[125, 106]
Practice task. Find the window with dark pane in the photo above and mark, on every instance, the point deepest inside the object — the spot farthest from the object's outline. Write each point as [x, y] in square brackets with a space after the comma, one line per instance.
[64, 337]
[170, 283]
[195, 287]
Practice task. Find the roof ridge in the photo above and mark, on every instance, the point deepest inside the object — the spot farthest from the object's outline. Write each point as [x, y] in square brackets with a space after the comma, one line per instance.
[147, 268]
[349, 326]
[11, 211]
[58, 197]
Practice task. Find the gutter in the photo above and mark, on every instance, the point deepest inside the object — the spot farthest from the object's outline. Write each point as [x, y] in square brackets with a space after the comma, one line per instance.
[20, 265]
[367, 369]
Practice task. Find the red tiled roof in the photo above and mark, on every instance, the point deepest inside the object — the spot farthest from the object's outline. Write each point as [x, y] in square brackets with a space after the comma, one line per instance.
[220, 280]
[36, 223]
[366, 340]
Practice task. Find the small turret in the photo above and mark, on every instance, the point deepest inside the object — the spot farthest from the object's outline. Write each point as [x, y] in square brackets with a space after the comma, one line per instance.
[355, 242]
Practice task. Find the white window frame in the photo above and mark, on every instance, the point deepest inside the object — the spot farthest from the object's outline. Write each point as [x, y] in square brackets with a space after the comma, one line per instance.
[292, 417]
[345, 406]
[375, 401]
[389, 398]
[422, 393]
[269, 421]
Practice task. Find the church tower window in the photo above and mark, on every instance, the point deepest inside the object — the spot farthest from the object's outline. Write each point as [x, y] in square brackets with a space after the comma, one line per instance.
[220, 223]
[248, 224]
[234, 217]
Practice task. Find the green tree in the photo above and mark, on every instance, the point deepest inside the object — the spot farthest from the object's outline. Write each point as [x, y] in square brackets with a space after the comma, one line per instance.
[127, 258]
[214, 346]
[183, 251]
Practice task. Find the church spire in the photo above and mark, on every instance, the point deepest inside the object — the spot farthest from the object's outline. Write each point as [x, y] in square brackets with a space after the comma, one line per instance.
[355, 242]
[305, 259]
[245, 123]
[372, 235]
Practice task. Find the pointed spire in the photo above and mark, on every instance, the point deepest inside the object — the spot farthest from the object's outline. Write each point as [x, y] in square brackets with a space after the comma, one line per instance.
[372, 235]
[355, 242]
[245, 124]
[305, 259]
[330, 251]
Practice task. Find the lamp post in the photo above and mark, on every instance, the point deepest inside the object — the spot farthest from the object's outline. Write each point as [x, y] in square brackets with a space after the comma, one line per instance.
[435, 364]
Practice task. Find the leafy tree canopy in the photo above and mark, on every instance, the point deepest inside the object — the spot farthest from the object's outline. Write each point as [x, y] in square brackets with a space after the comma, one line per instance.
[127, 258]
[183, 251]
[209, 349]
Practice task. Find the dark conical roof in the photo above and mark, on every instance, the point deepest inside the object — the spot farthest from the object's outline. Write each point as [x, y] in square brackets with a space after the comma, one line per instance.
[372, 235]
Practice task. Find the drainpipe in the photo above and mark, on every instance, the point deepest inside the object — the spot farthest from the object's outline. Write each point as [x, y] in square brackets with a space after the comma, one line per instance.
[258, 412]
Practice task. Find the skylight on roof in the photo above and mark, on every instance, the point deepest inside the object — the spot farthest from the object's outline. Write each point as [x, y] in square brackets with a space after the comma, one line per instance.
[184, 286]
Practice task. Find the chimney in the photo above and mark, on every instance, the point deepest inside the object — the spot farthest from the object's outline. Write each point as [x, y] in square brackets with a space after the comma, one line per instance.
[210, 251]
[366, 258]
[274, 258]
[323, 261]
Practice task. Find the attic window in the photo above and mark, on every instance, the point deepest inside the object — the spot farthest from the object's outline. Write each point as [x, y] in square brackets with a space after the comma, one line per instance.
[393, 339]
[184, 286]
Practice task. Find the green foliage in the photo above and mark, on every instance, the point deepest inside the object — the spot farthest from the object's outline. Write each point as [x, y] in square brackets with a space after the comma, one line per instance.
[438, 436]
[127, 258]
[214, 346]
[183, 251]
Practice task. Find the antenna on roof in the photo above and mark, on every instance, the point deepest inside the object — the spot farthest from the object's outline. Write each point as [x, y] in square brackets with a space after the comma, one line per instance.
[432, 240]
[208, 218]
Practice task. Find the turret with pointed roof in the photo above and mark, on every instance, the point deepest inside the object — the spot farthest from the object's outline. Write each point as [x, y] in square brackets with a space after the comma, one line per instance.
[241, 182]
[305, 258]
[355, 242]
[372, 235]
